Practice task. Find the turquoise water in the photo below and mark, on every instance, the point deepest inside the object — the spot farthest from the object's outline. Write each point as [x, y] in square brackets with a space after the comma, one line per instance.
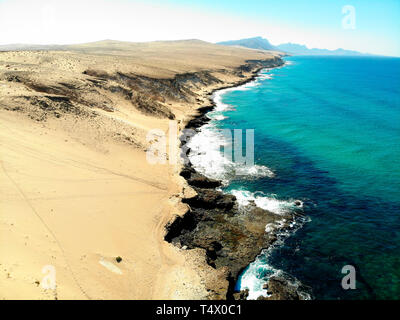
[329, 129]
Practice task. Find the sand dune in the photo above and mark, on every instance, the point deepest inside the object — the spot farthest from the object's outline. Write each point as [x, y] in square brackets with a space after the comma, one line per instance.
[76, 190]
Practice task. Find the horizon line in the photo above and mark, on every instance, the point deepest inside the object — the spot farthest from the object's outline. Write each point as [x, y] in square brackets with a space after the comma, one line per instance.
[190, 39]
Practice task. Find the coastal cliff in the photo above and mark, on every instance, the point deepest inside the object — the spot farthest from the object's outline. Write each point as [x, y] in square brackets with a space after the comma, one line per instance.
[75, 124]
[231, 237]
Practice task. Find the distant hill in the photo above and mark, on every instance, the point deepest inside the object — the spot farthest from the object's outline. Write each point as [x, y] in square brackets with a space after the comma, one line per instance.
[28, 47]
[96, 45]
[253, 43]
[258, 43]
[290, 48]
[298, 49]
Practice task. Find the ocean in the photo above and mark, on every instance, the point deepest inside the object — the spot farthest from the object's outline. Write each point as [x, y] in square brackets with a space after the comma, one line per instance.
[327, 133]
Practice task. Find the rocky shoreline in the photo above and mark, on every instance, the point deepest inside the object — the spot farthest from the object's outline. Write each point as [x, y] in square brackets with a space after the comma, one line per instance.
[231, 236]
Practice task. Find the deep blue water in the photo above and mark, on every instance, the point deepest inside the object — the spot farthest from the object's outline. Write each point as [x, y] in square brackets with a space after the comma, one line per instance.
[329, 128]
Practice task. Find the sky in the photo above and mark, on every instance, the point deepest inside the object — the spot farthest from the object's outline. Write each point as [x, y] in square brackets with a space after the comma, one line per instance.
[371, 26]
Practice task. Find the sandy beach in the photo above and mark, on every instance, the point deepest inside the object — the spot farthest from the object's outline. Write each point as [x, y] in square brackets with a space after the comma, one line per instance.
[76, 189]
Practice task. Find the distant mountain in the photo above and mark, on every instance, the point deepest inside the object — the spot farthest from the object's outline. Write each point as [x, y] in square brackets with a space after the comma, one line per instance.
[253, 43]
[290, 48]
[298, 49]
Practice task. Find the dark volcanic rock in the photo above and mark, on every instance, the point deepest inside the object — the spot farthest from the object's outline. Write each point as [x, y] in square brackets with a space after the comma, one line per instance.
[197, 180]
[187, 172]
[201, 119]
[211, 199]
[231, 237]
[285, 288]
[241, 295]
[203, 182]
[197, 122]
[179, 226]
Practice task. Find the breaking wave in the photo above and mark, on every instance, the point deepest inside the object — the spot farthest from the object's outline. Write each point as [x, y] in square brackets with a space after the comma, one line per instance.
[207, 158]
[268, 202]
[206, 155]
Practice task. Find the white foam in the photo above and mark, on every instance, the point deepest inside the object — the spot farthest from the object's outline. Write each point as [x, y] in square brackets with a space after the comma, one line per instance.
[260, 270]
[218, 117]
[206, 155]
[207, 158]
[219, 105]
[269, 227]
[264, 201]
[217, 96]
[263, 76]
[251, 278]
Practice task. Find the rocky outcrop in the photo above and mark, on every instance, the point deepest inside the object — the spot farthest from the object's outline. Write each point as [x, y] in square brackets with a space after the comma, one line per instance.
[202, 119]
[242, 295]
[202, 182]
[231, 236]
[285, 287]
[50, 106]
[271, 63]
[150, 106]
[149, 95]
